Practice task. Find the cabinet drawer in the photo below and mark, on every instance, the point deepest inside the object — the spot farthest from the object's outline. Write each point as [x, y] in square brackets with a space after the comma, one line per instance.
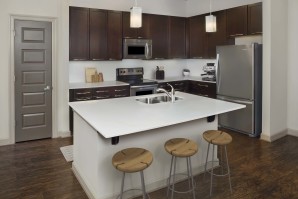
[82, 94]
[102, 93]
[203, 89]
[121, 91]
[178, 86]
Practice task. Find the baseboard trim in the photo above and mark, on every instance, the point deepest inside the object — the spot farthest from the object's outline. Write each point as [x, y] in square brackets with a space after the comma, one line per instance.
[64, 134]
[150, 187]
[293, 132]
[5, 142]
[277, 136]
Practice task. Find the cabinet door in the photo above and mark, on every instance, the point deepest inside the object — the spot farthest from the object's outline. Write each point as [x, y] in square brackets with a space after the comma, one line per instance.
[159, 35]
[98, 34]
[177, 37]
[78, 33]
[237, 21]
[102, 93]
[82, 94]
[219, 37]
[197, 37]
[203, 88]
[121, 91]
[255, 19]
[114, 35]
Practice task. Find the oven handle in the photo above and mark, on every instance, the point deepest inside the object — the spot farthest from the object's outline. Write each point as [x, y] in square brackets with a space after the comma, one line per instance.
[145, 86]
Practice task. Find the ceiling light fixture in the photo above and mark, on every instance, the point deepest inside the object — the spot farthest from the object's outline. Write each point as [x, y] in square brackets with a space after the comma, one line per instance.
[210, 21]
[135, 16]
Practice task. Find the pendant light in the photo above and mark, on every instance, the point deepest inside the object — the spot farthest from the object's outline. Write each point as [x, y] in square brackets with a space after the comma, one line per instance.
[136, 16]
[210, 21]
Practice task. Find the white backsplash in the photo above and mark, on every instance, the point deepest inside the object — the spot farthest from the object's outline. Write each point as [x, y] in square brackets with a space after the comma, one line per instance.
[173, 68]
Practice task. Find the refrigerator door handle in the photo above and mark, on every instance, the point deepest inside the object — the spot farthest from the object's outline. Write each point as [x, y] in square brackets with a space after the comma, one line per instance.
[234, 100]
[217, 73]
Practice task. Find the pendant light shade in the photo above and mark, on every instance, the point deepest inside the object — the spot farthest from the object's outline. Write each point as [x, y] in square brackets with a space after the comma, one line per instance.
[210, 23]
[136, 16]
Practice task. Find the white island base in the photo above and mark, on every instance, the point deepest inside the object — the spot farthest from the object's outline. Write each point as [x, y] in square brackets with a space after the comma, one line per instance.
[93, 154]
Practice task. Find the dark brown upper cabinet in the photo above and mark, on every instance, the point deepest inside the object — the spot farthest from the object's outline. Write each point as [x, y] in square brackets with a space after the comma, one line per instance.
[177, 35]
[255, 19]
[95, 34]
[219, 37]
[98, 35]
[114, 35]
[237, 21]
[78, 33]
[142, 32]
[196, 37]
[159, 35]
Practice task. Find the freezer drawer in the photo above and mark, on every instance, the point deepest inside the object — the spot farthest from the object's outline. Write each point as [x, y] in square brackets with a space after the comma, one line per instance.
[240, 120]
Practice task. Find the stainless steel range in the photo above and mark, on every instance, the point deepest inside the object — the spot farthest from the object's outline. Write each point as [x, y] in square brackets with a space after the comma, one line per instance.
[138, 85]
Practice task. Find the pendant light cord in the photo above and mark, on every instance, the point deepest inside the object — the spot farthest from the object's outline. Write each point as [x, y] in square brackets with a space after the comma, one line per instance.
[136, 3]
[210, 7]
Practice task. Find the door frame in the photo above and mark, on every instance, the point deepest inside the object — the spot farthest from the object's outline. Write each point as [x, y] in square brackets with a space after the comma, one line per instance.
[53, 20]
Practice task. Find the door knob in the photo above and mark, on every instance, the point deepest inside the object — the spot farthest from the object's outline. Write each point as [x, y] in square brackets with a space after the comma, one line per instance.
[47, 88]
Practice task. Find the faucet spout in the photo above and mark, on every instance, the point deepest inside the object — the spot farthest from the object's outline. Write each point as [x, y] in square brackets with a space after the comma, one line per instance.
[170, 94]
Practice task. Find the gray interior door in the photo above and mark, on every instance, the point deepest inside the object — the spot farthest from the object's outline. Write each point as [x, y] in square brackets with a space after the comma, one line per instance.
[33, 80]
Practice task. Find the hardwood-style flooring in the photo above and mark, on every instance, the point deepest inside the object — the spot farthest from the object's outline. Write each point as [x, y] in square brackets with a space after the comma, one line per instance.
[38, 170]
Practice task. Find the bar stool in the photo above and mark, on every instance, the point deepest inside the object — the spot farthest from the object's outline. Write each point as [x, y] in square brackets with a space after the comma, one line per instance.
[220, 139]
[132, 160]
[181, 148]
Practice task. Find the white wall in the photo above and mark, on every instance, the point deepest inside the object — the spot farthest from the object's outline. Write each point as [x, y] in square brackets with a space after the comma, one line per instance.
[163, 7]
[275, 69]
[292, 65]
[195, 7]
[40, 8]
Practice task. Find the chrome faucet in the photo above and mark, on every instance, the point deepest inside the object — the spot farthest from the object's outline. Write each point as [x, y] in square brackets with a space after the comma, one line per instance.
[171, 95]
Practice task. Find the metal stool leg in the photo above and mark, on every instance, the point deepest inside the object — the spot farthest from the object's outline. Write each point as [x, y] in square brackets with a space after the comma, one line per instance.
[188, 173]
[221, 160]
[143, 185]
[122, 186]
[192, 181]
[206, 160]
[173, 186]
[228, 169]
[212, 170]
[170, 177]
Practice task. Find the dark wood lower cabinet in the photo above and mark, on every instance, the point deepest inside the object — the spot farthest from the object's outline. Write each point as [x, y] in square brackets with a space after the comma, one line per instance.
[205, 89]
[97, 93]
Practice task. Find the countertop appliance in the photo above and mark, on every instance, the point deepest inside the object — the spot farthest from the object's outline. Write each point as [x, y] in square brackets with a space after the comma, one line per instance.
[209, 74]
[137, 48]
[138, 85]
[239, 80]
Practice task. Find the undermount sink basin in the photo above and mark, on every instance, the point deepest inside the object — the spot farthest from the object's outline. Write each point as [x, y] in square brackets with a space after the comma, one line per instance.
[157, 99]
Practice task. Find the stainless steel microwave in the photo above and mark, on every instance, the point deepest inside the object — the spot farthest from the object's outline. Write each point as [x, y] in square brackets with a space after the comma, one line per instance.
[137, 48]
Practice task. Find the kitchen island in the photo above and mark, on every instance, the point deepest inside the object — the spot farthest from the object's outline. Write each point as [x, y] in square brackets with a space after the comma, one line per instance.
[138, 124]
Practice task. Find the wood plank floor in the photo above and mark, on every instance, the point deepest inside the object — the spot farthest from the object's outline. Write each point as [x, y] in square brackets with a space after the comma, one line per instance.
[38, 170]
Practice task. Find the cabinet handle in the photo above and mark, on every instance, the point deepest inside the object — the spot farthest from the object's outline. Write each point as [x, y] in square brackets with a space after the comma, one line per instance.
[178, 84]
[112, 59]
[158, 58]
[83, 99]
[101, 91]
[120, 95]
[236, 35]
[102, 97]
[197, 57]
[140, 37]
[85, 93]
[97, 59]
[120, 90]
[254, 33]
[78, 59]
[203, 85]
[204, 95]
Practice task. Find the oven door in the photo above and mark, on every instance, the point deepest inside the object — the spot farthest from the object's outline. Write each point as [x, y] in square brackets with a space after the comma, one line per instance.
[143, 90]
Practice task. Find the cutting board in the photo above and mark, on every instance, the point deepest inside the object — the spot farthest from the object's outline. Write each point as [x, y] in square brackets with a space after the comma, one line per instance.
[88, 73]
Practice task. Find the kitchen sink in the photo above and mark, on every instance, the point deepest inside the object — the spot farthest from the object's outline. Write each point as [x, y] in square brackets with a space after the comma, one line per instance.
[157, 99]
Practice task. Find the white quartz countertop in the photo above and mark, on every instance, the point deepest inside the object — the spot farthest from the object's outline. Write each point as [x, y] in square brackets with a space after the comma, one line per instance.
[180, 78]
[122, 116]
[77, 85]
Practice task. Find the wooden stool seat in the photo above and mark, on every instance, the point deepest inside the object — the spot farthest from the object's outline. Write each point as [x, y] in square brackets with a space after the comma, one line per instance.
[132, 160]
[181, 147]
[217, 137]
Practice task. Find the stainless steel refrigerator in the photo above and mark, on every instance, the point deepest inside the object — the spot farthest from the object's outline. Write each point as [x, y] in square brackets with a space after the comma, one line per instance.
[239, 80]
